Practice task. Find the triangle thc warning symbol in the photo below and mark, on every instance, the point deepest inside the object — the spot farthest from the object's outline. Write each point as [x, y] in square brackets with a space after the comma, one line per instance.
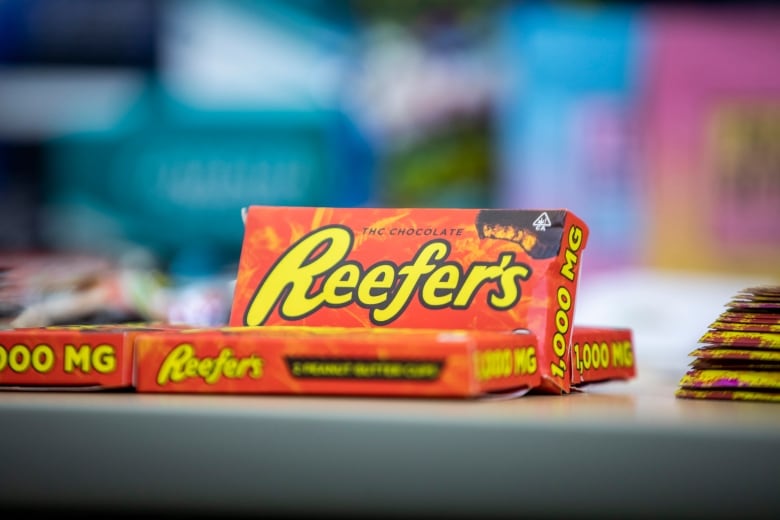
[542, 222]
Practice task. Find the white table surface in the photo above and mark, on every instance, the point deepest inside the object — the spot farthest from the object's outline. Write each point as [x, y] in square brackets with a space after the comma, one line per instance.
[621, 449]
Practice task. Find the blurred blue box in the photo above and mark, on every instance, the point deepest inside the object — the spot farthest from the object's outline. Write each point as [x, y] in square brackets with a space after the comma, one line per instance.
[567, 120]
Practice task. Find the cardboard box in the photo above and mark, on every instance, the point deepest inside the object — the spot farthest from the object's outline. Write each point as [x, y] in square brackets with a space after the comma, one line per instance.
[436, 268]
[79, 357]
[601, 354]
[338, 361]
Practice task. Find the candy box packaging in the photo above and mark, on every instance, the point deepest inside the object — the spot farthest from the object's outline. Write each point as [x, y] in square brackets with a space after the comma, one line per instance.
[382, 268]
[338, 361]
[601, 354]
[77, 357]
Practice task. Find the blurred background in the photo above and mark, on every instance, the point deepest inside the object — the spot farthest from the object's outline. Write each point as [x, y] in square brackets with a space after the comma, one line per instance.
[132, 132]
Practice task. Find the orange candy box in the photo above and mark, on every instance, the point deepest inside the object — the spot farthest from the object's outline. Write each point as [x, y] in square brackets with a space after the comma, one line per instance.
[337, 361]
[86, 357]
[415, 268]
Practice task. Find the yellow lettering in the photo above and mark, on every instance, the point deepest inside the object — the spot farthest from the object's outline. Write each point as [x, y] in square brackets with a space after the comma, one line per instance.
[622, 355]
[338, 287]
[506, 272]
[586, 356]
[564, 298]
[205, 368]
[559, 344]
[531, 360]
[558, 370]
[628, 353]
[172, 368]
[314, 273]
[510, 292]
[420, 371]
[296, 271]
[376, 284]
[575, 238]
[191, 367]
[494, 364]
[567, 269]
[230, 368]
[411, 274]
[250, 367]
[477, 275]
[42, 359]
[76, 358]
[21, 358]
[562, 321]
[575, 242]
[525, 361]
[181, 363]
[104, 359]
[438, 289]
[604, 348]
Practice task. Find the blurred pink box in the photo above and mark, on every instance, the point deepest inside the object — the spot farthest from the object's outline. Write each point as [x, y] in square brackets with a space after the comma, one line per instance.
[712, 117]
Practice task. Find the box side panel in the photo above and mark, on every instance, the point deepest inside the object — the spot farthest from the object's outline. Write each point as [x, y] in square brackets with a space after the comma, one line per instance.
[397, 364]
[502, 364]
[562, 281]
[65, 357]
[601, 354]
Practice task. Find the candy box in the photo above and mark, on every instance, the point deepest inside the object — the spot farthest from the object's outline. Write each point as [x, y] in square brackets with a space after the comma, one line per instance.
[601, 354]
[338, 361]
[77, 357]
[437, 268]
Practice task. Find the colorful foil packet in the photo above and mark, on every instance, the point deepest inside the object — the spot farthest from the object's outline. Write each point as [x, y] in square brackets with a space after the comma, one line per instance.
[728, 395]
[745, 327]
[739, 358]
[714, 352]
[747, 317]
[742, 338]
[722, 378]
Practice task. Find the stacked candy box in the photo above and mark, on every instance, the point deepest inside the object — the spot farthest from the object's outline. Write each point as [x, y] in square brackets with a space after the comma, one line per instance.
[338, 361]
[73, 357]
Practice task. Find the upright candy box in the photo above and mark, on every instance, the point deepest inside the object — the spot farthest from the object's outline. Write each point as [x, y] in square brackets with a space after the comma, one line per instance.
[474, 269]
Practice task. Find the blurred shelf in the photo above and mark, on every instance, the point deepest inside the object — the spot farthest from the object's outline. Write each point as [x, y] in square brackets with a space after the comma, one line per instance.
[618, 450]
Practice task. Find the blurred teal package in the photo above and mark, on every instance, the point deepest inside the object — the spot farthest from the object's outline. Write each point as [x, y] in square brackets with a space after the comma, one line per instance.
[567, 120]
[245, 110]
